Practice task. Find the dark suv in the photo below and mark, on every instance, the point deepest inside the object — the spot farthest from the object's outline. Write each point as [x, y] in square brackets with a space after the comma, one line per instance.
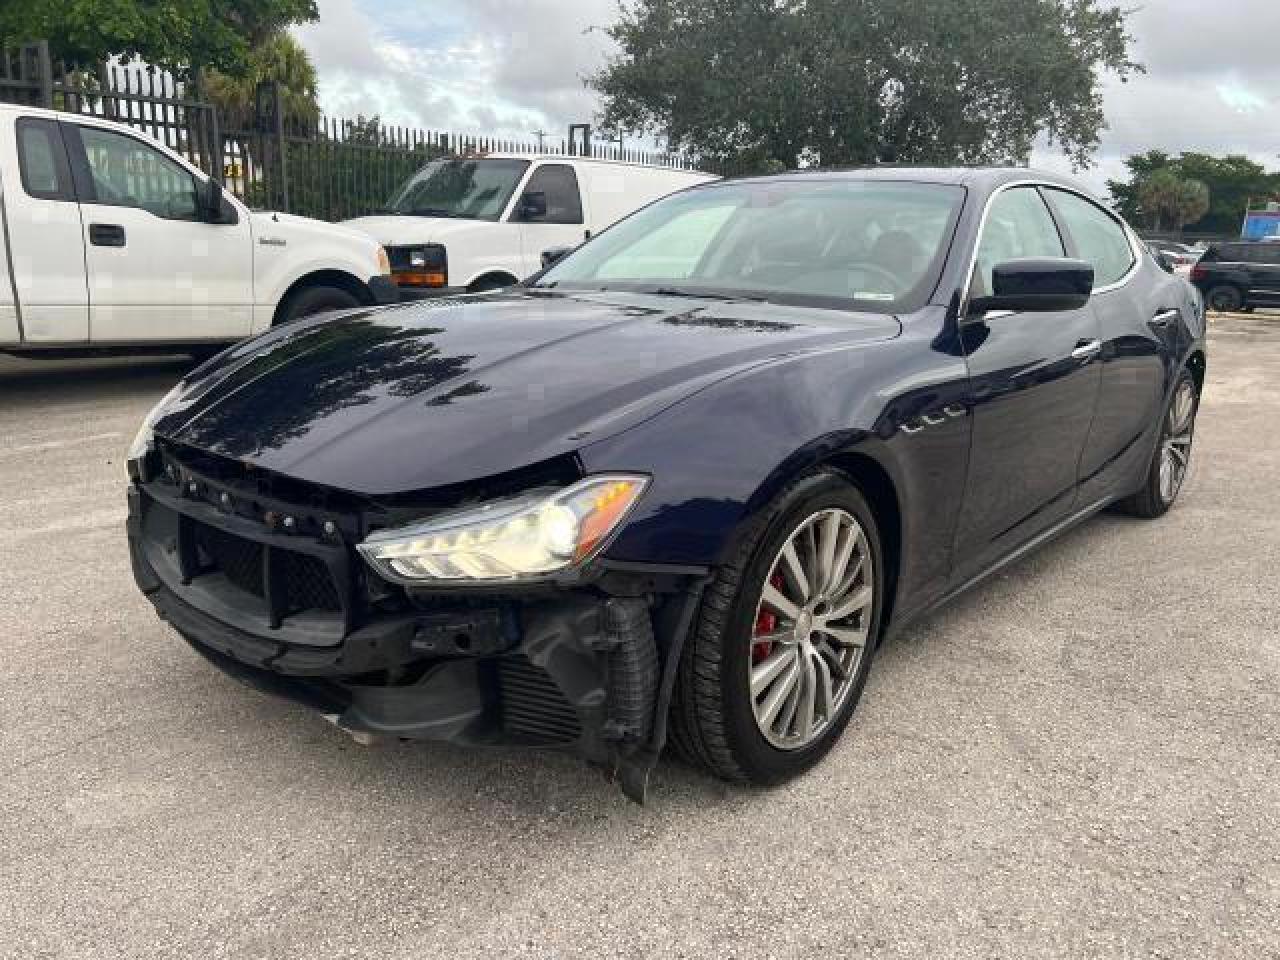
[1236, 276]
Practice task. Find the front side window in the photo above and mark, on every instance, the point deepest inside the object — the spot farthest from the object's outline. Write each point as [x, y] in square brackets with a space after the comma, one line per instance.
[42, 161]
[1018, 226]
[469, 189]
[861, 244]
[125, 172]
[1099, 237]
[557, 186]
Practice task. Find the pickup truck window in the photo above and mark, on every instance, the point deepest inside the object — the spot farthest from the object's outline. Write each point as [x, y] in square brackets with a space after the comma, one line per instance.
[42, 160]
[125, 172]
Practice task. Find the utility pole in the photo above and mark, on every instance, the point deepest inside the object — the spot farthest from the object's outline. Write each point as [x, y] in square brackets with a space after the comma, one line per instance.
[542, 138]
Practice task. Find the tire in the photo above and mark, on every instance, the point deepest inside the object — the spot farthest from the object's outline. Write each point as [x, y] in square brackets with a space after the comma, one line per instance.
[1177, 430]
[486, 284]
[714, 714]
[309, 301]
[1224, 299]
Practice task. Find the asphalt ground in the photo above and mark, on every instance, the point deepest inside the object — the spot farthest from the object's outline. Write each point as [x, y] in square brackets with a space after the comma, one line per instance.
[1079, 758]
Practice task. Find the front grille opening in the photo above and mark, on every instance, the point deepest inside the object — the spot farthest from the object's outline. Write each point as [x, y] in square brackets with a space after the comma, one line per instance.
[307, 584]
[533, 708]
[303, 581]
[240, 561]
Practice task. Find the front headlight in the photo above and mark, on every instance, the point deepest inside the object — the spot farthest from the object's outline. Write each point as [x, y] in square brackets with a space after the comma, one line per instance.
[423, 266]
[518, 539]
[384, 262]
[142, 443]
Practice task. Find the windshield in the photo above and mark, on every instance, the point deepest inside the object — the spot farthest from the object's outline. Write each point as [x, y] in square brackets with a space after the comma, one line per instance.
[471, 189]
[879, 244]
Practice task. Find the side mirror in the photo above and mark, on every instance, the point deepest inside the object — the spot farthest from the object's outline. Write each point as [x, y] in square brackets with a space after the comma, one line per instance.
[554, 254]
[1037, 286]
[532, 207]
[214, 206]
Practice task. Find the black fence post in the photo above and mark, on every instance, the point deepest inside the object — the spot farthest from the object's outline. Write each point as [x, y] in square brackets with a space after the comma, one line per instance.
[36, 59]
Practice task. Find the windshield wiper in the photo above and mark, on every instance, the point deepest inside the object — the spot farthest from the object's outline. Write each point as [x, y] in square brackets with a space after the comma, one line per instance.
[703, 294]
[436, 212]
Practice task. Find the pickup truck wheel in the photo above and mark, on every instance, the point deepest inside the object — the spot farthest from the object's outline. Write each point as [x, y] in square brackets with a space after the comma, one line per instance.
[309, 301]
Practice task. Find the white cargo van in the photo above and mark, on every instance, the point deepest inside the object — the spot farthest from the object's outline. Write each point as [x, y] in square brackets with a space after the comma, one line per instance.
[112, 241]
[479, 223]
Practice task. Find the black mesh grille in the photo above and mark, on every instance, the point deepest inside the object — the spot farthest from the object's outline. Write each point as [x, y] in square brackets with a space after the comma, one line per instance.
[307, 584]
[532, 705]
[240, 561]
[305, 580]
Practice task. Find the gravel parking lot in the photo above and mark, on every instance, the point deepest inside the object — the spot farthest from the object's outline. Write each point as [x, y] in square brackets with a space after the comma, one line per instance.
[1079, 758]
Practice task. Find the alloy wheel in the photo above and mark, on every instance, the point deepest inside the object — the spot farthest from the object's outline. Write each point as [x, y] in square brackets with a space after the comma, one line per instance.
[1175, 453]
[811, 628]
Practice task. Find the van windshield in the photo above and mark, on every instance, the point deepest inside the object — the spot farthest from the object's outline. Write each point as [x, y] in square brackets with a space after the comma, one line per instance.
[870, 245]
[470, 189]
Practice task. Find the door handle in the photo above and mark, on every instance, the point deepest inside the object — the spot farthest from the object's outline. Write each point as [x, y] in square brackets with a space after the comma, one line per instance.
[106, 234]
[1164, 318]
[1086, 350]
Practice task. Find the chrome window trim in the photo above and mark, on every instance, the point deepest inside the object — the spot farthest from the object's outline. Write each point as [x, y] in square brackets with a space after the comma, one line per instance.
[1130, 236]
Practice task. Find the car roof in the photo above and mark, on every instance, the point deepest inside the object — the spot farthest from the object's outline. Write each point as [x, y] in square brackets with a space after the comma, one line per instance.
[983, 178]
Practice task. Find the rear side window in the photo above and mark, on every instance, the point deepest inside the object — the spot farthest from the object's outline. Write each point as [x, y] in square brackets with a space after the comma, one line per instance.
[559, 184]
[1099, 237]
[42, 160]
[1232, 253]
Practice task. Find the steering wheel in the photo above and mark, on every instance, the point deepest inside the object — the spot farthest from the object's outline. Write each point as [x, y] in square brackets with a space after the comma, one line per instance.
[893, 280]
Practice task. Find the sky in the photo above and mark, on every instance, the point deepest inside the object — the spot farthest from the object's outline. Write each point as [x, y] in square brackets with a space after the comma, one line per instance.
[513, 67]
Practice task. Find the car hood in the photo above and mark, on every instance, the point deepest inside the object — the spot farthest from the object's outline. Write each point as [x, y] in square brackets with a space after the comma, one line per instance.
[391, 231]
[271, 226]
[451, 390]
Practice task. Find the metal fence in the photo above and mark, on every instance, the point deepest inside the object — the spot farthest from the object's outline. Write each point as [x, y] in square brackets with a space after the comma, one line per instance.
[329, 168]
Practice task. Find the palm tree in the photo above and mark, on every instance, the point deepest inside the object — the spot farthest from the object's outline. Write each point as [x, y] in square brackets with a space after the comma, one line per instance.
[1165, 195]
[279, 58]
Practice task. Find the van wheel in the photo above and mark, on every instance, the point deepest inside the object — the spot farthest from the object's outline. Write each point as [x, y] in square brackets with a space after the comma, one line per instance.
[310, 301]
[491, 282]
[1224, 299]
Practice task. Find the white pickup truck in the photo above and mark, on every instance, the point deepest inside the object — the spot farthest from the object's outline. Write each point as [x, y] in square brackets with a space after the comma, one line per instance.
[111, 241]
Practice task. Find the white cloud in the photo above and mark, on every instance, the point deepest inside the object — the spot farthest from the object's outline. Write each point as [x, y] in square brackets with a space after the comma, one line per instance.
[510, 67]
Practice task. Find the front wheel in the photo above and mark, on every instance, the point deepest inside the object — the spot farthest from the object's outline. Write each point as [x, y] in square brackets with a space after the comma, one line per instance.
[776, 663]
[1172, 457]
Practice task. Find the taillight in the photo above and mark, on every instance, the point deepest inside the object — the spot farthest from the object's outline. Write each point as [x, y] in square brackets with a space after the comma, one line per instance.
[1198, 272]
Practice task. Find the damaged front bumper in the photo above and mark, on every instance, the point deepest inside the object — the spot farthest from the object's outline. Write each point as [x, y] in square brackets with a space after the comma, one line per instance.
[588, 669]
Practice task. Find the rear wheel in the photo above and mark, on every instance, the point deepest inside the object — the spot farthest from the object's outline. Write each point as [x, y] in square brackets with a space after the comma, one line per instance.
[310, 301]
[777, 660]
[1172, 457]
[1224, 299]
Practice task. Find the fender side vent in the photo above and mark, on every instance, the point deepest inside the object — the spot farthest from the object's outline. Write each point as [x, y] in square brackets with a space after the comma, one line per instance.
[533, 708]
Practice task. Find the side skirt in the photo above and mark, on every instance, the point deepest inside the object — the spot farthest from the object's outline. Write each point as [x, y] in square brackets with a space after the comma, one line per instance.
[1062, 526]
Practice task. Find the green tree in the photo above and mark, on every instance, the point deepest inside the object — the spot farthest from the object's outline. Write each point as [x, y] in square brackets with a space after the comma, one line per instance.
[177, 36]
[279, 58]
[1169, 200]
[1231, 181]
[758, 83]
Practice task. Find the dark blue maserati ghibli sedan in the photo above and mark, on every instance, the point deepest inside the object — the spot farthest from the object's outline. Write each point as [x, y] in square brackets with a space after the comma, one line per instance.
[682, 483]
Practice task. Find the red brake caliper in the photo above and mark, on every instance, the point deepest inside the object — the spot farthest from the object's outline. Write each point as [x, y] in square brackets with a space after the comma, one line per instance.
[766, 623]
